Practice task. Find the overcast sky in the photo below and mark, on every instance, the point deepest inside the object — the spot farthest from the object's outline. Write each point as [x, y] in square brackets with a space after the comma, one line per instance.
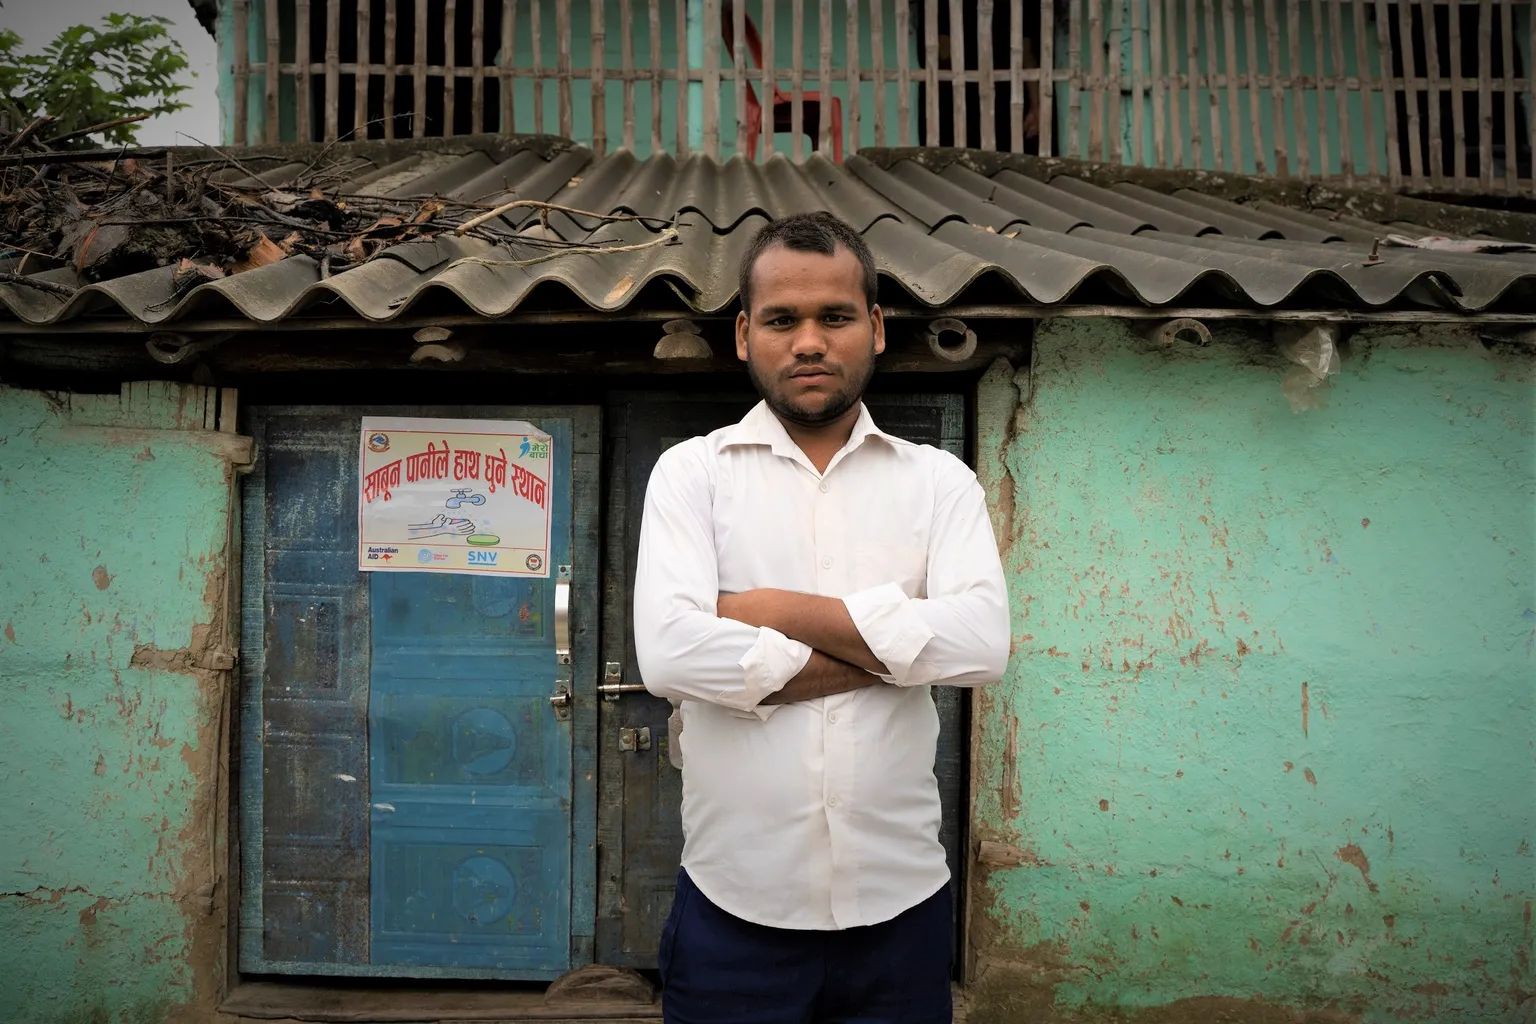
[38, 21]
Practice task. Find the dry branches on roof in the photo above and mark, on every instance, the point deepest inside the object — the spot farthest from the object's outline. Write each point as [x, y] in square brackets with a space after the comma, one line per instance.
[222, 214]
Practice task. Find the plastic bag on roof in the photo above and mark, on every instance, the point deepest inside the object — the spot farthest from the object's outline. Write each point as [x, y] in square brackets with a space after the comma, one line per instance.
[1315, 351]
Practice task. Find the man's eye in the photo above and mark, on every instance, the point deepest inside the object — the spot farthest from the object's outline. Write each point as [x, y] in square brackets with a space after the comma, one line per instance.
[782, 321]
[835, 318]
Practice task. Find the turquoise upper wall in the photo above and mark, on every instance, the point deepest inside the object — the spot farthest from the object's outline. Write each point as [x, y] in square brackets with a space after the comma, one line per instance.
[112, 554]
[1267, 730]
[1186, 34]
[525, 100]
[1186, 51]
[528, 103]
[1193, 43]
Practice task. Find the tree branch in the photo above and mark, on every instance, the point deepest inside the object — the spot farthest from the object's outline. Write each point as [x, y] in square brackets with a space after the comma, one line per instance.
[64, 291]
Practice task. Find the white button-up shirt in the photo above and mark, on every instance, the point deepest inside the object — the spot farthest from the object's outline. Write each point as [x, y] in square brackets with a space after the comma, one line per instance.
[821, 814]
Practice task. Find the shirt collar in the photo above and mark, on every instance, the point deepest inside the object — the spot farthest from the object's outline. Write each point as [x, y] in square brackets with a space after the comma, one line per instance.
[762, 427]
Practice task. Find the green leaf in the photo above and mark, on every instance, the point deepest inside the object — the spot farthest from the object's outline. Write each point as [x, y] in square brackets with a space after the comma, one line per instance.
[89, 75]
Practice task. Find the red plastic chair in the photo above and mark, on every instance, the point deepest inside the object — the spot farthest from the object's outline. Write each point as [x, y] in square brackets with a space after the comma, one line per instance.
[783, 102]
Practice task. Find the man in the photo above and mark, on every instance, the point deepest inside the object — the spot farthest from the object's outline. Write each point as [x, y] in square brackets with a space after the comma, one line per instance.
[804, 579]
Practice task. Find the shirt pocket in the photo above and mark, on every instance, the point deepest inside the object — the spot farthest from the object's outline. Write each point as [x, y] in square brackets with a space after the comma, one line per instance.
[905, 565]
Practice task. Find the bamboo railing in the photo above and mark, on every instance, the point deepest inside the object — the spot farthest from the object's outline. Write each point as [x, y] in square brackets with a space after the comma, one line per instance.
[1407, 94]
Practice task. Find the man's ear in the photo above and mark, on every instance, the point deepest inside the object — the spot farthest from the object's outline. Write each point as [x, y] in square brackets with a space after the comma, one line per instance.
[741, 335]
[877, 321]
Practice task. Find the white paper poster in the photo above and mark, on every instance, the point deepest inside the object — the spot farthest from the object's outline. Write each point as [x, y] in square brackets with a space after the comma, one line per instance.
[465, 496]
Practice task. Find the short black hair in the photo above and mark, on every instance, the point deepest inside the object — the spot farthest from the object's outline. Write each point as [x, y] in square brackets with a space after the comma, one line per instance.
[818, 232]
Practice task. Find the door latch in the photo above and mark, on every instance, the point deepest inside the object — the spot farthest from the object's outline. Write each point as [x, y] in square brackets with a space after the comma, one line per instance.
[560, 700]
[612, 685]
[635, 739]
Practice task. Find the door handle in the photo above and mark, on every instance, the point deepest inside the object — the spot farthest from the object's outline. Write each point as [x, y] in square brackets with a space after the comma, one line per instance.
[563, 616]
[560, 700]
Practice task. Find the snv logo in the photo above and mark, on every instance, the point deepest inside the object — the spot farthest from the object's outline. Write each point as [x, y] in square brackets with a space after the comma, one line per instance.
[482, 557]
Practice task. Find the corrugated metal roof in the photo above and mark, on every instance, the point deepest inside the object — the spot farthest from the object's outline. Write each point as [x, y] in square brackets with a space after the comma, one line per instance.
[942, 239]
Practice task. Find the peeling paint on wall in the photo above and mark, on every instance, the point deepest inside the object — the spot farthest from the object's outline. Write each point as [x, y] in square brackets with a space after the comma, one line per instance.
[1267, 728]
[114, 574]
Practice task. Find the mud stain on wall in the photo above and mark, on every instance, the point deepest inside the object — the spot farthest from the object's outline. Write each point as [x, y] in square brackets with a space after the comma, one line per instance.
[1355, 857]
[1008, 796]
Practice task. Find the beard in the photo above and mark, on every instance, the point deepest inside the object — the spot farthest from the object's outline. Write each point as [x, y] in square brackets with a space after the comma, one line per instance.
[804, 415]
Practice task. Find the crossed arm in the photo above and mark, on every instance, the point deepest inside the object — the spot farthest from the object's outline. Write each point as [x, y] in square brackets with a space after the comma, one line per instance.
[840, 659]
[752, 650]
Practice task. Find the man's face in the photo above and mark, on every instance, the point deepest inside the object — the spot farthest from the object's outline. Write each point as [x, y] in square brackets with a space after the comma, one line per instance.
[809, 341]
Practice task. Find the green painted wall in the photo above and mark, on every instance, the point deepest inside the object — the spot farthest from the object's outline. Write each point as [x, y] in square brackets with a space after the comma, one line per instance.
[113, 549]
[1176, 47]
[1266, 743]
[1185, 50]
[1267, 733]
[581, 57]
[528, 105]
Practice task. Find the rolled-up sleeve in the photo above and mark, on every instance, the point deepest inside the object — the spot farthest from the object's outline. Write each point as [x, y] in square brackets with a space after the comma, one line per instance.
[685, 650]
[958, 635]
[890, 624]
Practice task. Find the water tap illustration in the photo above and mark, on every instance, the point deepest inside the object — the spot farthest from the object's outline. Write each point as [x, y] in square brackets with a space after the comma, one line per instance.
[461, 496]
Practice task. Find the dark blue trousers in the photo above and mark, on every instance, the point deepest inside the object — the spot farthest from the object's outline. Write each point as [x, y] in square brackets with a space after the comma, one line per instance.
[719, 969]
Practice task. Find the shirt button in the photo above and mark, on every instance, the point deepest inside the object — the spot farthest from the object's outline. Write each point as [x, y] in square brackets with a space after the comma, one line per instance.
[823, 487]
[832, 718]
[831, 801]
[826, 563]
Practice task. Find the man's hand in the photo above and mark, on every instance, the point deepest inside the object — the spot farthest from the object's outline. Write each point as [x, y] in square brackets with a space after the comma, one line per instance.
[819, 622]
[822, 676]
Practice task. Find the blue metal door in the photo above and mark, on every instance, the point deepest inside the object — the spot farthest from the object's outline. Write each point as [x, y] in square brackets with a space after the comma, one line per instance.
[471, 765]
[464, 771]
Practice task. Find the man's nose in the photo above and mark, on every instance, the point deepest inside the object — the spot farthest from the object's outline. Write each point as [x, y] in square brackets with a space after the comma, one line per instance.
[809, 341]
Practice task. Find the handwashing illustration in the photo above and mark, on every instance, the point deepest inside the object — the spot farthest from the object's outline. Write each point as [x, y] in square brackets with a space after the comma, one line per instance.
[442, 525]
